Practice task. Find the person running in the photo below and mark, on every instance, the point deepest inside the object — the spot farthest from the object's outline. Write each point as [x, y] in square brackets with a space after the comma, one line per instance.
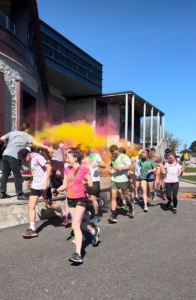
[119, 180]
[173, 171]
[165, 160]
[131, 175]
[16, 141]
[41, 186]
[57, 162]
[93, 162]
[137, 167]
[148, 168]
[75, 178]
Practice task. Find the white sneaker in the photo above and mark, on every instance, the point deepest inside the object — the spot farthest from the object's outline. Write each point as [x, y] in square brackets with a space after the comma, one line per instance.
[145, 208]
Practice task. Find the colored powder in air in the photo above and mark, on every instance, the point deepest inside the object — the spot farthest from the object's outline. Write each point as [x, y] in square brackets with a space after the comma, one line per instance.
[76, 133]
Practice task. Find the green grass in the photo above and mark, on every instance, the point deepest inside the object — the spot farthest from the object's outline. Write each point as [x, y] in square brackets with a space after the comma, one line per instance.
[191, 178]
[190, 170]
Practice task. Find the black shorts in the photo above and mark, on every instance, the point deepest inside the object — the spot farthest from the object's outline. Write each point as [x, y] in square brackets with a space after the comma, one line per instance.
[94, 190]
[45, 194]
[72, 203]
[148, 180]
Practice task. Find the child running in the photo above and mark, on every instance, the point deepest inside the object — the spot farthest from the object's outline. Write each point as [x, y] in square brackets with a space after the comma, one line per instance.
[75, 176]
[148, 168]
[41, 186]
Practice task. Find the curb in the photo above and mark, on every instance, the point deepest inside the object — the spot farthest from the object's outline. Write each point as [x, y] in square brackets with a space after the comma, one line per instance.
[188, 181]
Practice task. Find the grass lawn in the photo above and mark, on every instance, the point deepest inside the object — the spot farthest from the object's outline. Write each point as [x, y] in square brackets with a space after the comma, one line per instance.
[190, 170]
[191, 178]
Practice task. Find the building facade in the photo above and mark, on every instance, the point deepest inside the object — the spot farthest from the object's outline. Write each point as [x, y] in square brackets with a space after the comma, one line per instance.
[45, 77]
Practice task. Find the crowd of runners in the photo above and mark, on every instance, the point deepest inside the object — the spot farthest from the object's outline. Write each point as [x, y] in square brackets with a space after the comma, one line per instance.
[80, 178]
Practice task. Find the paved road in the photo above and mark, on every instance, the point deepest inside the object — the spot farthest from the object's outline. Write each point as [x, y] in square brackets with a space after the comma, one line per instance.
[149, 257]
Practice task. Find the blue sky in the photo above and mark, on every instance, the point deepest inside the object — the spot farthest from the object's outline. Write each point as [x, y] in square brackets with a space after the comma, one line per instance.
[147, 46]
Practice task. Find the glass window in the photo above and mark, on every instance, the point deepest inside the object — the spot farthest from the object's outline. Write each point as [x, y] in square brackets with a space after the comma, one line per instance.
[51, 42]
[64, 51]
[58, 56]
[50, 52]
[71, 64]
[45, 49]
[70, 54]
[58, 47]
[44, 38]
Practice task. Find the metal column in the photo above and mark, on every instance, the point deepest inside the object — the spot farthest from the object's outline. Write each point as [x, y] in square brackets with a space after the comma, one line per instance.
[151, 128]
[126, 118]
[132, 120]
[158, 129]
[164, 127]
[144, 127]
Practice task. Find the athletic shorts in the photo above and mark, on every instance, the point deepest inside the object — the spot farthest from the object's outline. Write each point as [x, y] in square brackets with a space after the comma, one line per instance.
[41, 193]
[72, 203]
[94, 190]
[164, 176]
[131, 176]
[148, 180]
[134, 177]
[124, 186]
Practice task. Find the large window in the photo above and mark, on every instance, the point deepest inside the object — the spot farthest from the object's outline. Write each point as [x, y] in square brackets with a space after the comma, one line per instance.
[70, 59]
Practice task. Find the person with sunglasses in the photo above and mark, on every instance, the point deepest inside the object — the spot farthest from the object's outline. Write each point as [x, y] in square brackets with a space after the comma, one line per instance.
[75, 177]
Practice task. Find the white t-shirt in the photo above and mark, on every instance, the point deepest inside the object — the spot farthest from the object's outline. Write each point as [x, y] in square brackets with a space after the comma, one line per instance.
[138, 166]
[172, 172]
[89, 161]
[120, 175]
[66, 165]
[59, 153]
[39, 172]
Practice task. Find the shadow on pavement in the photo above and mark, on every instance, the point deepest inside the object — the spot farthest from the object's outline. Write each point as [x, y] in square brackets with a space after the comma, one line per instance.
[55, 221]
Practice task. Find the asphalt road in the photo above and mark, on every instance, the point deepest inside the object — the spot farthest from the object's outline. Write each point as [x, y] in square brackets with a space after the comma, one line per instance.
[149, 257]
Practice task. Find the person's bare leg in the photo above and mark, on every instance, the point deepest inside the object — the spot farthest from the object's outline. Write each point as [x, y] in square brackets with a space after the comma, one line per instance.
[31, 208]
[132, 187]
[126, 194]
[144, 189]
[137, 185]
[95, 204]
[77, 216]
[113, 202]
[151, 187]
[52, 205]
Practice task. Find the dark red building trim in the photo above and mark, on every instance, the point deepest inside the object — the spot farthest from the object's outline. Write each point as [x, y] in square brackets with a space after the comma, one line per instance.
[2, 107]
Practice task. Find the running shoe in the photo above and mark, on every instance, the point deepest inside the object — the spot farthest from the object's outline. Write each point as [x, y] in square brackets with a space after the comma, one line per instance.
[83, 239]
[76, 258]
[95, 236]
[168, 204]
[29, 234]
[131, 211]
[174, 210]
[137, 199]
[153, 196]
[124, 205]
[145, 208]
[96, 219]
[112, 219]
[101, 200]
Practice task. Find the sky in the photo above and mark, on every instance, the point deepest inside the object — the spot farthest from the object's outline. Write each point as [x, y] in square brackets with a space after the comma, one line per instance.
[147, 46]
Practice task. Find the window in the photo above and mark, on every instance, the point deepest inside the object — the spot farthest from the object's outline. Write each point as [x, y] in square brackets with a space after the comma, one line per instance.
[44, 38]
[50, 52]
[70, 54]
[51, 42]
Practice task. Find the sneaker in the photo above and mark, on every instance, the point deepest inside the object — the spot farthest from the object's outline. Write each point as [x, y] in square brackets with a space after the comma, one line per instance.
[168, 204]
[96, 219]
[153, 196]
[95, 236]
[76, 258]
[174, 210]
[145, 208]
[83, 239]
[112, 219]
[131, 211]
[22, 197]
[4, 196]
[101, 200]
[124, 205]
[87, 217]
[29, 234]
[137, 199]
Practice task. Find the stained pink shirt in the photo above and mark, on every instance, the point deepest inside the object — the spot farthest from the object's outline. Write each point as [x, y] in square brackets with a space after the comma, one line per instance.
[75, 187]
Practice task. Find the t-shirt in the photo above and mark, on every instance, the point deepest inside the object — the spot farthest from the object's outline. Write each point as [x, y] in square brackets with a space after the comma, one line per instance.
[138, 166]
[39, 172]
[89, 161]
[59, 153]
[172, 172]
[75, 187]
[66, 165]
[120, 175]
[147, 164]
[16, 141]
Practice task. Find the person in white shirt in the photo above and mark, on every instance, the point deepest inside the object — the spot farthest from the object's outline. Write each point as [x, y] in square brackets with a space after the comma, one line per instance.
[57, 161]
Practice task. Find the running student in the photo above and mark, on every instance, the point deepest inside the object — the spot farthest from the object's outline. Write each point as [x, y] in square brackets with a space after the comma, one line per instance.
[137, 167]
[131, 175]
[119, 180]
[75, 178]
[16, 140]
[57, 162]
[93, 162]
[148, 168]
[41, 186]
[173, 170]
[165, 160]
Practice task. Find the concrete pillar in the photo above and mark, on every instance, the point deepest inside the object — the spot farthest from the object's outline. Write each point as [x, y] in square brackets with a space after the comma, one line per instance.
[126, 118]
[163, 126]
[132, 120]
[144, 126]
[151, 128]
[158, 128]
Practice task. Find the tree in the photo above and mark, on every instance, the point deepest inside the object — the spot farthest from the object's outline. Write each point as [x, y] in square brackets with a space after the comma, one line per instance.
[174, 142]
[193, 146]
